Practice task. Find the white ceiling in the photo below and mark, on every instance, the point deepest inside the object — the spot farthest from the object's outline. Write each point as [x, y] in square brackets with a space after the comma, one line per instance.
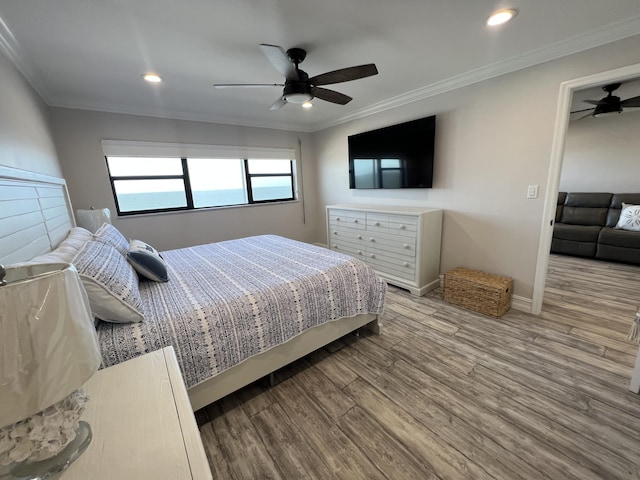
[90, 54]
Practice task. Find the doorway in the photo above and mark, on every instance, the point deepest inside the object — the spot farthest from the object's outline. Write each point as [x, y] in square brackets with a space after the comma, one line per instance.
[563, 109]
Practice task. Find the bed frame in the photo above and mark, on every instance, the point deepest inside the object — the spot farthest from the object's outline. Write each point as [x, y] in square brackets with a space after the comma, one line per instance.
[36, 215]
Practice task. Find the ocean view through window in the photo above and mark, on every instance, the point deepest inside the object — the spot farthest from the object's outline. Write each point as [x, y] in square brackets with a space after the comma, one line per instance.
[144, 184]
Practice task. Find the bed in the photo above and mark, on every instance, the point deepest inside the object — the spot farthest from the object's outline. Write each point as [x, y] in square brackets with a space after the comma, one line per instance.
[234, 311]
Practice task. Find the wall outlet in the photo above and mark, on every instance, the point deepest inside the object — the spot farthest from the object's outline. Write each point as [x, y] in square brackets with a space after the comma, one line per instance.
[532, 191]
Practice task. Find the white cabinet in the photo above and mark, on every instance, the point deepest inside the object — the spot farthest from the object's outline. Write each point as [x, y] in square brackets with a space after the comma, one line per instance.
[401, 244]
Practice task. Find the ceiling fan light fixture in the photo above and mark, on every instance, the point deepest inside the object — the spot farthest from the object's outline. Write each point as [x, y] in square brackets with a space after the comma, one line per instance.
[307, 104]
[297, 92]
[501, 16]
[604, 109]
[152, 77]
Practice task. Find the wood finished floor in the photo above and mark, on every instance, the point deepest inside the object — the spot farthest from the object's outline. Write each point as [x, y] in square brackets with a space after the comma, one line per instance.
[445, 393]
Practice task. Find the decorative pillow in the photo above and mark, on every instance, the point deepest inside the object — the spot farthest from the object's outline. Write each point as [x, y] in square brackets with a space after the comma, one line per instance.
[68, 248]
[110, 235]
[147, 261]
[111, 283]
[629, 218]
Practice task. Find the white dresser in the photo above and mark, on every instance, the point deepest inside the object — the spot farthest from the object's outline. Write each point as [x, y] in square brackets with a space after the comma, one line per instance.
[401, 243]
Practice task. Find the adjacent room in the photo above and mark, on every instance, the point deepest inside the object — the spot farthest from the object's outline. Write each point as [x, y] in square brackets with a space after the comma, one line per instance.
[337, 240]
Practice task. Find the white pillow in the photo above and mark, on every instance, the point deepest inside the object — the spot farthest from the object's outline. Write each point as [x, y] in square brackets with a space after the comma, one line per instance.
[629, 218]
[111, 283]
[110, 235]
[68, 248]
[147, 261]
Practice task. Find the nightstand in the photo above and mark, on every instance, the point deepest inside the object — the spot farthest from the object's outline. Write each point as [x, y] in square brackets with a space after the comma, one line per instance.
[142, 422]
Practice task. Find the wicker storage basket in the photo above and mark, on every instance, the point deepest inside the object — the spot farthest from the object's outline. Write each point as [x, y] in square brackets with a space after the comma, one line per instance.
[478, 291]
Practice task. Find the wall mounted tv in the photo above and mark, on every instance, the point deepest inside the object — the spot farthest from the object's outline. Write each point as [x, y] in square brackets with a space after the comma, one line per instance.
[399, 156]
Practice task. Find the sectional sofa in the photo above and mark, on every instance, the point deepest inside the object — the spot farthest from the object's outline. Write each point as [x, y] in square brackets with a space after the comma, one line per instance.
[586, 225]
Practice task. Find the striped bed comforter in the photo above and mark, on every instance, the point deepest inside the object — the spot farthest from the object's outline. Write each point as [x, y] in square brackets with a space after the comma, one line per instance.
[228, 301]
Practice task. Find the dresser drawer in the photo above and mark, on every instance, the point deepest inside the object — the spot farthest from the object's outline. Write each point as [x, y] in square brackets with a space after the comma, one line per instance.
[348, 218]
[392, 266]
[348, 248]
[338, 232]
[395, 243]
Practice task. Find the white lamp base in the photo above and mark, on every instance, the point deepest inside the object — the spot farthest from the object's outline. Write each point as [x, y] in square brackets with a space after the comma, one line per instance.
[51, 467]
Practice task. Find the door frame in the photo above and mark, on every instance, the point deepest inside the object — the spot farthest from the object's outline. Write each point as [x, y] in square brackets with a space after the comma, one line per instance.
[563, 110]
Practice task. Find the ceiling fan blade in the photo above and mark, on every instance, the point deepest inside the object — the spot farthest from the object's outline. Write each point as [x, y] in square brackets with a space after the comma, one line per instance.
[278, 104]
[631, 102]
[344, 75]
[331, 96]
[580, 114]
[246, 85]
[280, 60]
[595, 102]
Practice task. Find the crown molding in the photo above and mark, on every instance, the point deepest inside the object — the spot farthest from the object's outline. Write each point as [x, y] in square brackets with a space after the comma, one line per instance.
[594, 38]
[11, 48]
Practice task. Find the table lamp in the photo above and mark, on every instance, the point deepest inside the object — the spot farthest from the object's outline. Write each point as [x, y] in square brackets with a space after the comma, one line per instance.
[93, 218]
[48, 350]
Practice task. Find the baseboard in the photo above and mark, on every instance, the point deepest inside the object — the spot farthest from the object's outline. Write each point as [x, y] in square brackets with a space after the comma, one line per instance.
[522, 304]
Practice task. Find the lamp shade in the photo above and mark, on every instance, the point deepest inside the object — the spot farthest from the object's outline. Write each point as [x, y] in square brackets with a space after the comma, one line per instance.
[93, 219]
[48, 343]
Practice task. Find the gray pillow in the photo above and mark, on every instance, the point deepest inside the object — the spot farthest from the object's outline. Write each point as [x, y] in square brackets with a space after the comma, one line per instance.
[147, 261]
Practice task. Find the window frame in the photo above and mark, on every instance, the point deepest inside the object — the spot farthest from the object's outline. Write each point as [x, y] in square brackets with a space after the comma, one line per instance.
[188, 189]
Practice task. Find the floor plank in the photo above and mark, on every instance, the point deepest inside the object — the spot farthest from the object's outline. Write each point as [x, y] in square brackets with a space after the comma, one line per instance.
[445, 393]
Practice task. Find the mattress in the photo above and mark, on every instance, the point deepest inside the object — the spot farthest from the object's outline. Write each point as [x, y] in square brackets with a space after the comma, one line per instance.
[226, 302]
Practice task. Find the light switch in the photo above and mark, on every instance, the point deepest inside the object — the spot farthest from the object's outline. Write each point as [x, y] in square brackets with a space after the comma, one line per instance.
[532, 191]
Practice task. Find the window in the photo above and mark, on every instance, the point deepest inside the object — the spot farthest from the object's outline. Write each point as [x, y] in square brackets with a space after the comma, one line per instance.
[146, 184]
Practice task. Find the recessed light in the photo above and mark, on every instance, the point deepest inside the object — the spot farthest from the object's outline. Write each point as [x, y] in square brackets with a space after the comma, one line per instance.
[307, 104]
[501, 16]
[152, 77]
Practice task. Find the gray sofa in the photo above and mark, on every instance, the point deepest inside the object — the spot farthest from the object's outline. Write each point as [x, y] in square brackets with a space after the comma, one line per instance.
[584, 227]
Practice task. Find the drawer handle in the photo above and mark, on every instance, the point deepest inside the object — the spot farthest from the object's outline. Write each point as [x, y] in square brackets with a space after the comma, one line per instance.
[372, 255]
[359, 252]
[377, 224]
[355, 221]
[406, 264]
[337, 219]
[359, 237]
[372, 239]
[406, 245]
[402, 227]
[335, 232]
[335, 246]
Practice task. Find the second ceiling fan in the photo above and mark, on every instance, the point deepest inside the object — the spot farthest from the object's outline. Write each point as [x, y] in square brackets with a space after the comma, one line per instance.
[298, 87]
[609, 104]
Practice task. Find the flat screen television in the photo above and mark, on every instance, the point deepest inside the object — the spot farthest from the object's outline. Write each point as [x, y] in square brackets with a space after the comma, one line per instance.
[399, 156]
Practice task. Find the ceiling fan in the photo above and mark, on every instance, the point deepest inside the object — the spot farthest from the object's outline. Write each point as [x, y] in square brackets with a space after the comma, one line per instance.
[609, 104]
[298, 87]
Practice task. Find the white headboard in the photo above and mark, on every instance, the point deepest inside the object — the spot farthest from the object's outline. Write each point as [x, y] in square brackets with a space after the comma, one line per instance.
[35, 214]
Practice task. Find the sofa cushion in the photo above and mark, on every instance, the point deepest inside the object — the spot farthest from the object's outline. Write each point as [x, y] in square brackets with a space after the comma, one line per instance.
[584, 216]
[576, 233]
[588, 200]
[619, 238]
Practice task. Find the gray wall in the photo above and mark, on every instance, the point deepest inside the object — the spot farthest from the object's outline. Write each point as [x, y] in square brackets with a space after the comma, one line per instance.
[78, 134]
[602, 155]
[493, 140]
[25, 137]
